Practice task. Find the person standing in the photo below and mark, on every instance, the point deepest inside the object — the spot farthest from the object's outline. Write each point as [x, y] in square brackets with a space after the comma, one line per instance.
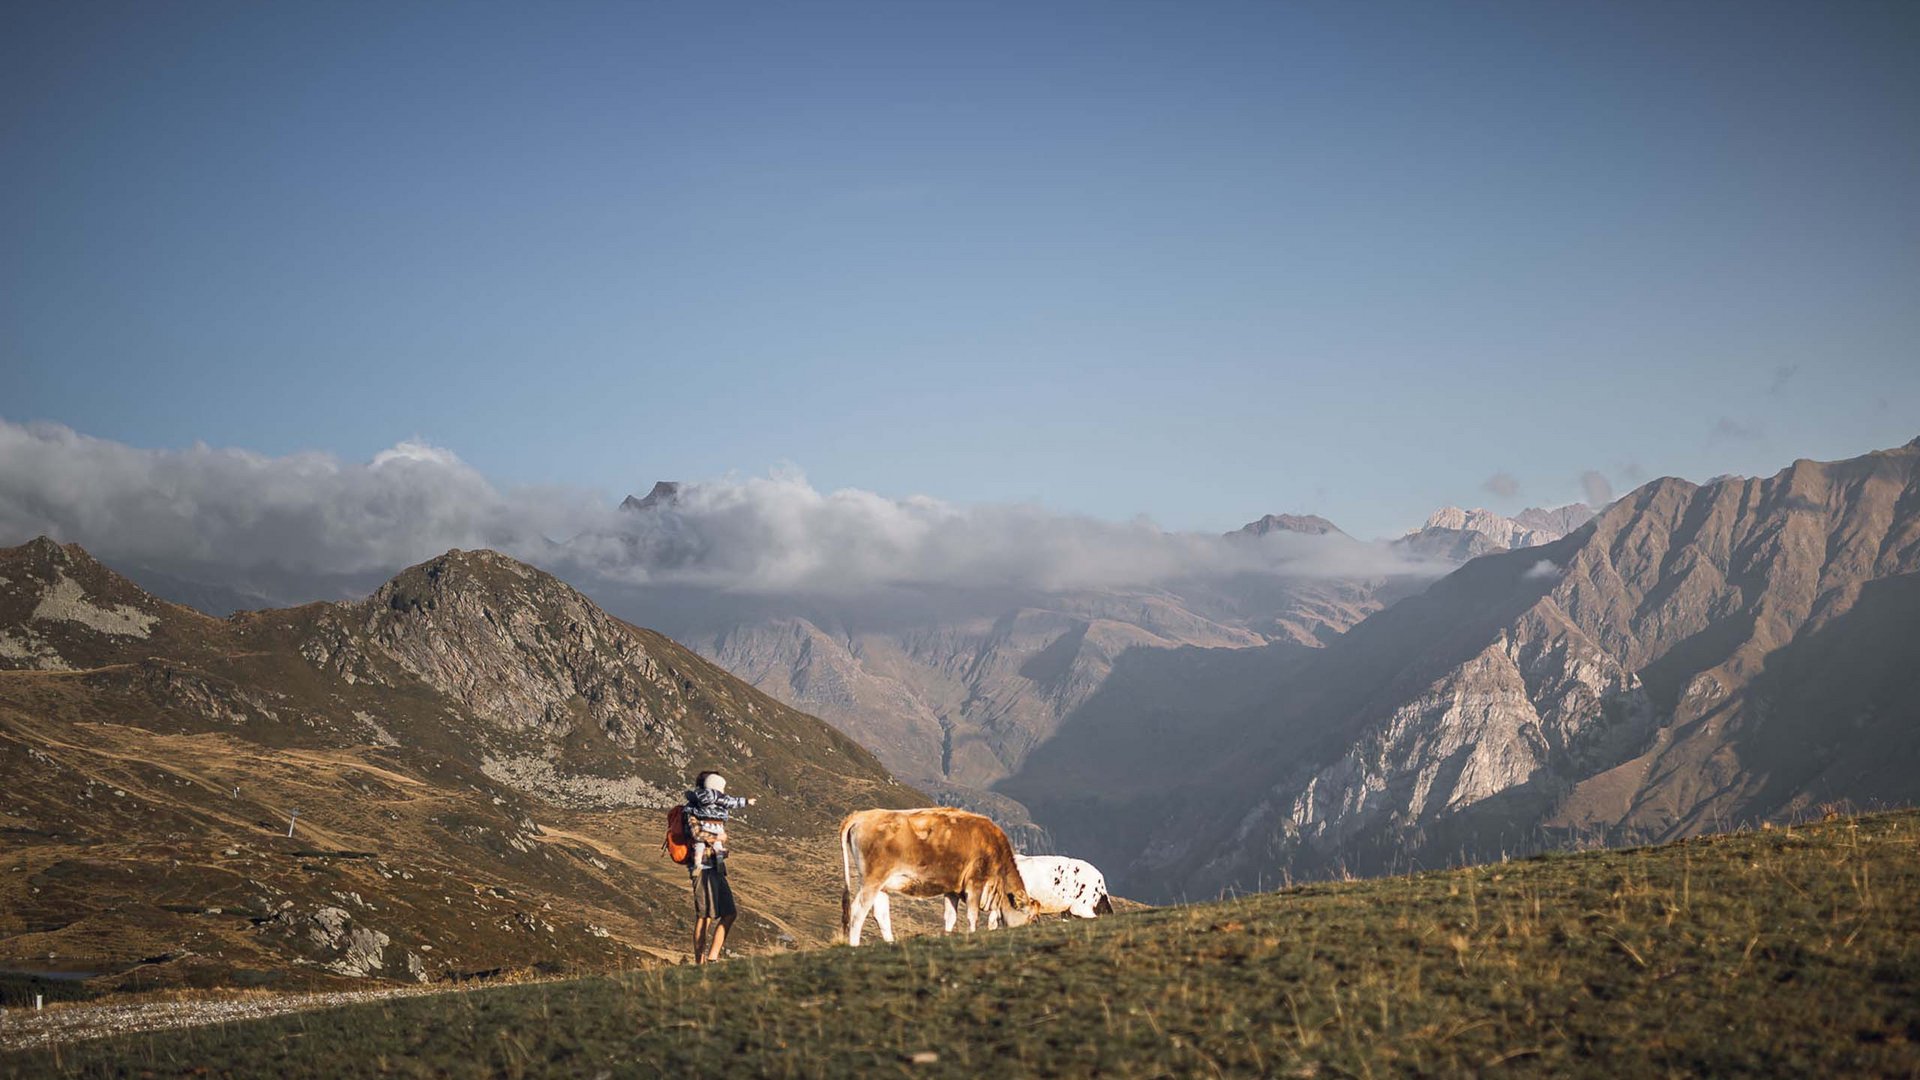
[714, 909]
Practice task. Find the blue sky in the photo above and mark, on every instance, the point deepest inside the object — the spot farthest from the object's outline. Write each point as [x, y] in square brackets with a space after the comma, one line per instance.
[1199, 261]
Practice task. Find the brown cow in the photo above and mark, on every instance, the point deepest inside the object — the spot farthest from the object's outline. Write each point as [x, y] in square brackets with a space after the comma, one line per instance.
[938, 851]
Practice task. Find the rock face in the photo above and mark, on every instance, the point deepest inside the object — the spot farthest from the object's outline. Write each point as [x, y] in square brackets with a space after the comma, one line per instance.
[1693, 655]
[466, 771]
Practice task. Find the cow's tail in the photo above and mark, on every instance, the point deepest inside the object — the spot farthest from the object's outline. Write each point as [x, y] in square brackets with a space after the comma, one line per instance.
[848, 855]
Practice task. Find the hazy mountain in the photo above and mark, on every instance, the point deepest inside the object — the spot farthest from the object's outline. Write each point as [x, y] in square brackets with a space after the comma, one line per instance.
[663, 494]
[1457, 535]
[1308, 524]
[1693, 655]
[478, 755]
[1555, 523]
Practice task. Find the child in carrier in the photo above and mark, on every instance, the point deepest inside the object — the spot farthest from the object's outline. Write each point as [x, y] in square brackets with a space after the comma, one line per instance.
[707, 808]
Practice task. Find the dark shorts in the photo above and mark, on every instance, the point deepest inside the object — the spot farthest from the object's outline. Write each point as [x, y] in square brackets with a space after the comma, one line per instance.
[712, 896]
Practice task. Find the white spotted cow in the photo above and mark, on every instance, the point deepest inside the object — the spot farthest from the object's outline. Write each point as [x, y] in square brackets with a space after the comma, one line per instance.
[1056, 884]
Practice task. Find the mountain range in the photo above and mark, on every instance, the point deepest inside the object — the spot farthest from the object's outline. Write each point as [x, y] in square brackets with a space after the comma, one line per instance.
[954, 692]
[1688, 655]
[1693, 656]
[953, 687]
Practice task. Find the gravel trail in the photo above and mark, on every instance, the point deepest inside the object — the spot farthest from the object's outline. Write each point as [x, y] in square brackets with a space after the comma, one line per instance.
[24, 1029]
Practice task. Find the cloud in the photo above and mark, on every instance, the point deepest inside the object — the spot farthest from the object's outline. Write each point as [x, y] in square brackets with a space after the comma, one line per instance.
[780, 534]
[1782, 375]
[1503, 484]
[306, 512]
[314, 513]
[1545, 568]
[1727, 429]
[1598, 488]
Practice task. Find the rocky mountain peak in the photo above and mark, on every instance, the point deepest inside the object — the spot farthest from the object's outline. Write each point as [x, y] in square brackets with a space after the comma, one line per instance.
[515, 645]
[1456, 534]
[664, 493]
[60, 609]
[1559, 520]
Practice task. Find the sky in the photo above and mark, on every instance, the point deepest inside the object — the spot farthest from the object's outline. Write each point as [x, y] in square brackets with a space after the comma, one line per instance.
[1194, 261]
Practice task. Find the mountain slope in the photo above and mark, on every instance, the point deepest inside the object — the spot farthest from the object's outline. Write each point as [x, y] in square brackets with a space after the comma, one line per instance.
[1692, 655]
[477, 754]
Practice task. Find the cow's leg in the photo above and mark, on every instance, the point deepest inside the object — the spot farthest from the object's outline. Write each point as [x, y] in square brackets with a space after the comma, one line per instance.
[857, 914]
[973, 908]
[883, 914]
[949, 910]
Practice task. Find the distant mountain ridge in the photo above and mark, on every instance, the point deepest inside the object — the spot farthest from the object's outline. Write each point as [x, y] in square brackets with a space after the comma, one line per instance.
[1458, 535]
[1305, 524]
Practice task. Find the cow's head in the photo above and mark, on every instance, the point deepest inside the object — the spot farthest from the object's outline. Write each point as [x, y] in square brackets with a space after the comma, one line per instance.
[1019, 907]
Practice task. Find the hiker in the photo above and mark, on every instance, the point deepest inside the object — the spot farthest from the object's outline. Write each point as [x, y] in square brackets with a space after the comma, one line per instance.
[713, 908]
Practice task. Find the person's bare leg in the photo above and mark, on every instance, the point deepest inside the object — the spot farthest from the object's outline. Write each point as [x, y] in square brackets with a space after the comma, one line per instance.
[720, 928]
[699, 938]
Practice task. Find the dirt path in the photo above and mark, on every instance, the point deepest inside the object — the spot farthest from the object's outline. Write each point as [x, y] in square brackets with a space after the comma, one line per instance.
[24, 1029]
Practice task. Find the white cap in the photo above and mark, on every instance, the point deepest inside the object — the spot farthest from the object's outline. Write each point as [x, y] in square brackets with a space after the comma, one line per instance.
[716, 782]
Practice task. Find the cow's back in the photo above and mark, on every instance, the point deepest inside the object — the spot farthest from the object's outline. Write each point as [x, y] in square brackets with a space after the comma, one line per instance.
[943, 848]
[1058, 883]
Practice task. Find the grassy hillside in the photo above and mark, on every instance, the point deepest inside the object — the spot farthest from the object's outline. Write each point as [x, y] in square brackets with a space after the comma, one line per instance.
[1789, 952]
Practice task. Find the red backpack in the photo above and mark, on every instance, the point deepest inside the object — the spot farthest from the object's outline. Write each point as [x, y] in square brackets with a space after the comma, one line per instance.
[679, 842]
